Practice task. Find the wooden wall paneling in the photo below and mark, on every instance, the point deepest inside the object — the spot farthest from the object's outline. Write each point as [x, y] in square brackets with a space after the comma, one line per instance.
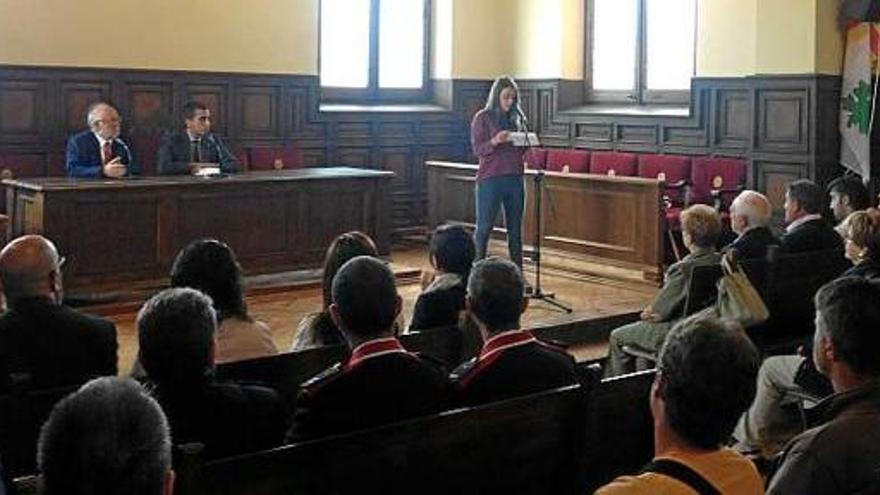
[772, 176]
[782, 120]
[637, 134]
[77, 96]
[732, 119]
[149, 107]
[259, 111]
[23, 108]
[351, 156]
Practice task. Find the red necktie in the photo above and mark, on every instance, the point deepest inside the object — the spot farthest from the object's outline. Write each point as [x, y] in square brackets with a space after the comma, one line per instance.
[107, 151]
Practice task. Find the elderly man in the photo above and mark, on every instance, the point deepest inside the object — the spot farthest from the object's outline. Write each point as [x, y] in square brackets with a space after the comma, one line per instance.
[109, 437]
[705, 379]
[806, 229]
[187, 152]
[750, 215]
[98, 151]
[39, 335]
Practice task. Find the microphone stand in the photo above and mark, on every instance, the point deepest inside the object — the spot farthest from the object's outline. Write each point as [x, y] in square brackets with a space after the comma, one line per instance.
[537, 293]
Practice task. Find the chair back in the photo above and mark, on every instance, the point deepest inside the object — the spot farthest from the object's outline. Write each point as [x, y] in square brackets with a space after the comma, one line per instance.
[716, 173]
[275, 157]
[535, 158]
[672, 169]
[572, 160]
[613, 163]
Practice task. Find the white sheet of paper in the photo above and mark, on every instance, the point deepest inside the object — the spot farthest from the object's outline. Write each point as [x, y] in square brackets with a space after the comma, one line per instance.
[519, 139]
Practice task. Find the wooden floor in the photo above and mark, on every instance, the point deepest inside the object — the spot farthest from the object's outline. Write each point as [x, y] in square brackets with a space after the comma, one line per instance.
[282, 309]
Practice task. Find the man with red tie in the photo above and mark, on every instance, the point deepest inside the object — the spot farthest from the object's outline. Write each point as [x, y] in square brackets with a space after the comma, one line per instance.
[98, 152]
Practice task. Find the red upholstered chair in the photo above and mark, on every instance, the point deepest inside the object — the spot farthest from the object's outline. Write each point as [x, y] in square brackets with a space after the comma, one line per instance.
[571, 160]
[716, 181]
[535, 158]
[276, 157]
[613, 163]
[675, 170]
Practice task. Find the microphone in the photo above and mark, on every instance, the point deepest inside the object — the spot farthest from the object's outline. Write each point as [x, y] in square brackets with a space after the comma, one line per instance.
[126, 148]
[523, 120]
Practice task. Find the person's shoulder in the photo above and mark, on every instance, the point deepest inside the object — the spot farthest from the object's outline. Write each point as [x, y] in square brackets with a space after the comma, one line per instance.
[85, 319]
[482, 115]
[648, 483]
[247, 393]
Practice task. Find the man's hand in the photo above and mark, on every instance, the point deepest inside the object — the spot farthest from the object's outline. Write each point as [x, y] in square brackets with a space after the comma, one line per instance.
[648, 314]
[501, 137]
[194, 167]
[115, 168]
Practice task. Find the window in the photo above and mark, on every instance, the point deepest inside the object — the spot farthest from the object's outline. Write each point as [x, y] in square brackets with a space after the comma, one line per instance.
[374, 49]
[640, 51]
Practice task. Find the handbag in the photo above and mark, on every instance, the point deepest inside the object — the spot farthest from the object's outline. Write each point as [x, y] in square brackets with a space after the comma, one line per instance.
[737, 298]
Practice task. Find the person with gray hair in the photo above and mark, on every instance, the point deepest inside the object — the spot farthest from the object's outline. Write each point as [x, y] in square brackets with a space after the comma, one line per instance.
[176, 348]
[512, 361]
[97, 151]
[109, 437]
[750, 215]
[39, 335]
[705, 379]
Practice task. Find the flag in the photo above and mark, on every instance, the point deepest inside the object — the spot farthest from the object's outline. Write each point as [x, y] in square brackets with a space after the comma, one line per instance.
[857, 96]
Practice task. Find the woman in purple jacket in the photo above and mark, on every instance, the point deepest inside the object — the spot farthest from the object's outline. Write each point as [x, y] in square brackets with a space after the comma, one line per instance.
[500, 177]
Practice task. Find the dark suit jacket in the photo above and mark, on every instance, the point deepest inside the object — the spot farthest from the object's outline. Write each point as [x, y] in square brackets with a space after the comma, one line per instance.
[380, 390]
[175, 154]
[753, 243]
[814, 235]
[517, 371]
[228, 418]
[84, 156]
[55, 344]
[866, 269]
[439, 306]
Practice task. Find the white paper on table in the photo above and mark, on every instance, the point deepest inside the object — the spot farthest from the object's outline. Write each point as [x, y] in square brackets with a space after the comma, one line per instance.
[519, 139]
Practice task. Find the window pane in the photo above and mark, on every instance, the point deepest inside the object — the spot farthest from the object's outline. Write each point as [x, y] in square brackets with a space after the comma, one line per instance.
[670, 52]
[615, 23]
[345, 43]
[401, 43]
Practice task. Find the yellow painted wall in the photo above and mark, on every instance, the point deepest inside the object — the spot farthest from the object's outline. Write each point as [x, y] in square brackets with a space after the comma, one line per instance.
[483, 38]
[726, 37]
[786, 37]
[549, 41]
[214, 35]
[829, 38]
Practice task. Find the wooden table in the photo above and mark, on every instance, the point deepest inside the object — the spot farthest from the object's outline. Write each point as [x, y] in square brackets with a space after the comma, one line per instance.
[590, 222]
[120, 233]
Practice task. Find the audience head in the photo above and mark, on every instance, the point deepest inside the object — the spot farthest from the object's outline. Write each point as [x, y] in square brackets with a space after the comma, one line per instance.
[496, 295]
[30, 267]
[707, 371]
[104, 120]
[861, 233]
[503, 95]
[176, 336]
[452, 250]
[211, 267]
[848, 194]
[342, 249]
[803, 197]
[365, 300]
[750, 209]
[700, 226]
[109, 437]
[197, 118]
[846, 339]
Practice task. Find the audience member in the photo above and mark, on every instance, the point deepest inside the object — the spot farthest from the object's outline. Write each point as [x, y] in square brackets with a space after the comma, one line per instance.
[861, 235]
[848, 194]
[441, 303]
[705, 379]
[109, 437]
[176, 335]
[807, 230]
[750, 215]
[700, 225]
[318, 329]
[843, 454]
[39, 335]
[210, 267]
[189, 150]
[512, 362]
[98, 151]
[380, 382]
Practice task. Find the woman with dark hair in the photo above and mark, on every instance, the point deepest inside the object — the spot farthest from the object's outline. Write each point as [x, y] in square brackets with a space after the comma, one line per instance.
[861, 234]
[500, 176]
[442, 299]
[317, 329]
[210, 266]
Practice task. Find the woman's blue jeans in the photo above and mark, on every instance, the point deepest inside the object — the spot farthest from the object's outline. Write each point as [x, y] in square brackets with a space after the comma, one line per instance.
[507, 191]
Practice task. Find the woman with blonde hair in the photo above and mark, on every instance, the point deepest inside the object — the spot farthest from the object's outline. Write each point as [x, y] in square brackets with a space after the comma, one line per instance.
[861, 234]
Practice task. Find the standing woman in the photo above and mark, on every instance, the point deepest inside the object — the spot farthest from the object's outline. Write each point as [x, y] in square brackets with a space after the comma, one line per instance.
[500, 177]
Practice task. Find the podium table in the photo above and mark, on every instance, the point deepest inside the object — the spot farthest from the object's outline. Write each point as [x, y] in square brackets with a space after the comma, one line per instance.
[117, 234]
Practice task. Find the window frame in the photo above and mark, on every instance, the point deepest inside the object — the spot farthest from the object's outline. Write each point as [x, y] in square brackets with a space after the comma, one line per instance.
[640, 94]
[372, 93]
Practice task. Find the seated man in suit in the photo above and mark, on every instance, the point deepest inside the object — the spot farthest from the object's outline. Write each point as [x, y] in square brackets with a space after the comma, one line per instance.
[98, 152]
[806, 229]
[176, 337]
[109, 437]
[705, 380]
[512, 362]
[750, 215]
[700, 228]
[842, 455]
[187, 152]
[39, 335]
[380, 382]
[848, 194]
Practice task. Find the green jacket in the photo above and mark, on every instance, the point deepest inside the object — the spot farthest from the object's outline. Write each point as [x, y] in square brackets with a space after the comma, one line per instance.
[669, 302]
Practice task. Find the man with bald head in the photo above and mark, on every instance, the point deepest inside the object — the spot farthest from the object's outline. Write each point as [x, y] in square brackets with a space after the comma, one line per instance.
[97, 151]
[750, 215]
[38, 334]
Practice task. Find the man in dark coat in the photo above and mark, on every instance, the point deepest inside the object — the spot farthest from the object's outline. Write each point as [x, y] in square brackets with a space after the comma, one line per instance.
[806, 229]
[750, 215]
[195, 147]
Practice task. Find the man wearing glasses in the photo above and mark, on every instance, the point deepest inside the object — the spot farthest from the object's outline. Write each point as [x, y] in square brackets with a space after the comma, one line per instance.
[98, 151]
